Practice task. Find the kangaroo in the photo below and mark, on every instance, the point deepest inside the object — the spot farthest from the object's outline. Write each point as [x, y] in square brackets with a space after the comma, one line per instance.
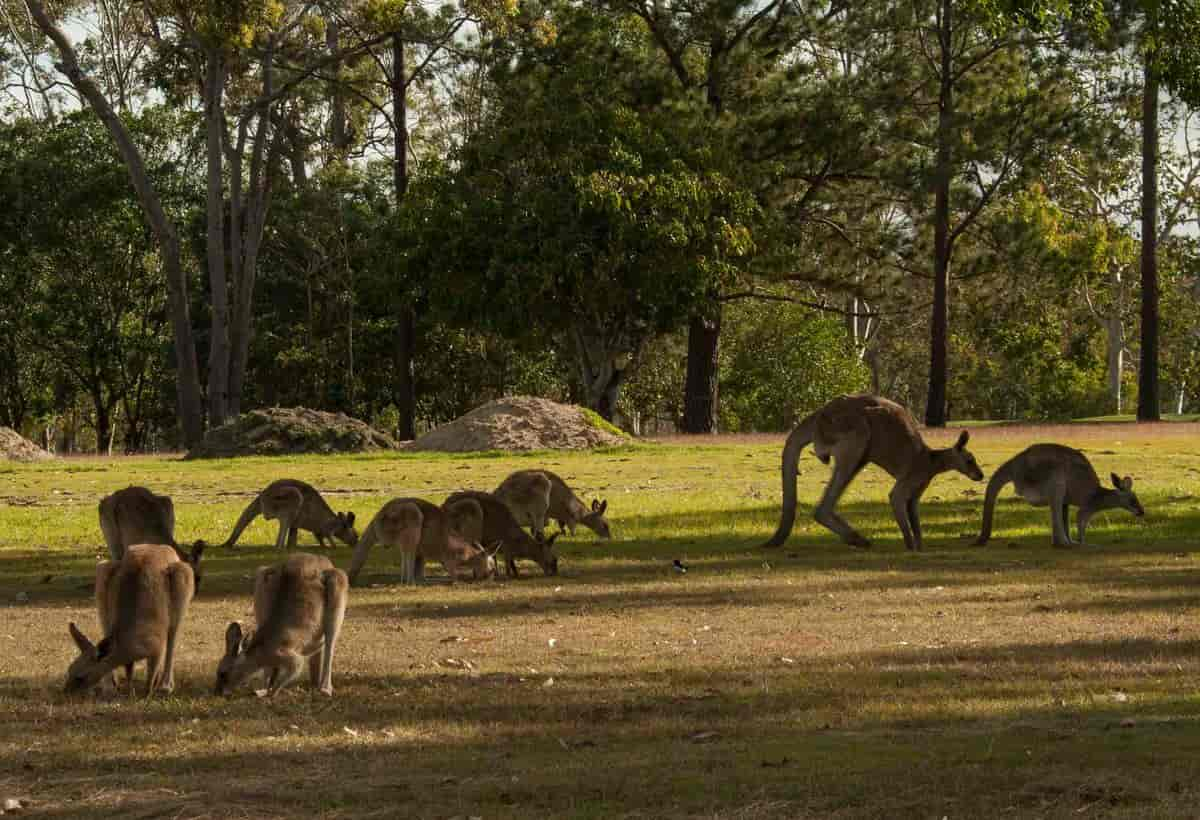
[535, 495]
[484, 517]
[299, 606]
[1057, 476]
[422, 530]
[141, 600]
[297, 506]
[858, 430]
[135, 515]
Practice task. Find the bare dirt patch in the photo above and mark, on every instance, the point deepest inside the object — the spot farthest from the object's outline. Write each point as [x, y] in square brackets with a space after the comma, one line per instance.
[517, 423]
[15, 447]
[278, 431]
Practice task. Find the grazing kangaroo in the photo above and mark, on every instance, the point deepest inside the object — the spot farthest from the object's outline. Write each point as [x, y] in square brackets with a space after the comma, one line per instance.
[141, 600]
[135, 515]
[299, 606]
[422, 531]
[297, 506]
[536, 495]
[1059, 477]
[858, 430]
[484, 517]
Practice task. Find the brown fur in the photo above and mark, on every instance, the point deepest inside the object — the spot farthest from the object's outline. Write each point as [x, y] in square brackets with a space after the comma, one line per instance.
[141, 600]
[299, 606]
[135, 515]
[422, 531]
[858, 430]
[537, 495]
[485, 518]
[297, 506]
[1058, 477]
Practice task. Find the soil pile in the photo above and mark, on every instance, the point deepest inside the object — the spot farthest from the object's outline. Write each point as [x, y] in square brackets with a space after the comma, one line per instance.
[522, 423]
[15, 447]
[279, 431]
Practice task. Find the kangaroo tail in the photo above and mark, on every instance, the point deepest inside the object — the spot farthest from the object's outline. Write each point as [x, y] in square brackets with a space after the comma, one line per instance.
[252, 511]
[796, 442]
[362, 549]
[1002, 477]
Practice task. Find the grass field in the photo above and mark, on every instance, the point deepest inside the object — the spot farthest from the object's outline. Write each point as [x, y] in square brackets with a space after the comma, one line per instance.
[1014, 680]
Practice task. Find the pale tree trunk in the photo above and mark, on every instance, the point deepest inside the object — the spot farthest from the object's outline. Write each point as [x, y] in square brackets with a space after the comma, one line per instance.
[187, 371]
[406, 321]
[935, 405]
[1114, 331]
[218, 282]
[1148, 384]
[250, 207]
[603, 367]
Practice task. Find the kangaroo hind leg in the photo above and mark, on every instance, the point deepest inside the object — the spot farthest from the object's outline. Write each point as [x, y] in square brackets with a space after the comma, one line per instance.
[337, 591]
[849, 457]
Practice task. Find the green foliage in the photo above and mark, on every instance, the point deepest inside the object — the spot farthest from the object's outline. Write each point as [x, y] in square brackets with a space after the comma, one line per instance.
[781, 362]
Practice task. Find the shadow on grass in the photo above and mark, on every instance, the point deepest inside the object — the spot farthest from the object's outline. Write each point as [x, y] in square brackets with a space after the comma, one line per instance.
[884, 734]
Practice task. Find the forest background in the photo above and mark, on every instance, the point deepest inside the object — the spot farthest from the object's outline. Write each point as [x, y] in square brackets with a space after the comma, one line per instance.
[696, 216]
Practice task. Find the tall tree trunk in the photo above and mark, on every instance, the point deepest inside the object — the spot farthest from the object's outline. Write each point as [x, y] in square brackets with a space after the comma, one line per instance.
[338, 136]
[1148, 394]
[1114, 332]
[252, 211]
[406, 396]
[935, 405]
[218, 352]
[703, 371]
[187, 371]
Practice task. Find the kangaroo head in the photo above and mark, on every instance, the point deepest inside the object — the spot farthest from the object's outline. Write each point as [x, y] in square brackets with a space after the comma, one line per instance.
[595, 520]
[88, 670]
[963, 460]
[234, 667]
[484, 564]
[343, 529]
[1123, 488]
[547, 559]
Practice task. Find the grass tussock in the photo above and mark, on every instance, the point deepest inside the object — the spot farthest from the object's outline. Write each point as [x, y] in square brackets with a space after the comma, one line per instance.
[1015, 680]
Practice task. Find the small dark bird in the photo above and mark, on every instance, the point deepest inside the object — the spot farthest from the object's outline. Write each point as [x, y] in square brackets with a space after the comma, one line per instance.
[679, 567]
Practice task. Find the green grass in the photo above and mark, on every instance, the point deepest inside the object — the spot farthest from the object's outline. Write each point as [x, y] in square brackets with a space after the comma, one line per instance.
[1015, 680]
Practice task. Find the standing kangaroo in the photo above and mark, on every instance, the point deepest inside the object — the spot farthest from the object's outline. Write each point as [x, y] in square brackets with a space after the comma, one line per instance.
[297, 506]
[135, 515]
[299, 606]
[483, 517]
[141, 600]
[536, 495]
[858, 430]
[1057, 476]
[422, 531]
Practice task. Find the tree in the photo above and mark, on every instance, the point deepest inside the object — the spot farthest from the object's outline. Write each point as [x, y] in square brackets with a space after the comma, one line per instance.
[582, 217]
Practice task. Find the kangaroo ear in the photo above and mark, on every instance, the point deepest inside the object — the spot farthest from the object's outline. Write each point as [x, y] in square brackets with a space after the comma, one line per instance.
[603, 506]
[595, 505]
[963, 438]
[104, 648]
[233, 639]
[1127, 483]
[1116, 480]
[494, 548]
[349, 519]
[81, 641]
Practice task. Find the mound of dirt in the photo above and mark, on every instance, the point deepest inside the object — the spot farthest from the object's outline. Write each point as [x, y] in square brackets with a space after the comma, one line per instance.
[15, 447]
[522, 423]
[279, 431]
